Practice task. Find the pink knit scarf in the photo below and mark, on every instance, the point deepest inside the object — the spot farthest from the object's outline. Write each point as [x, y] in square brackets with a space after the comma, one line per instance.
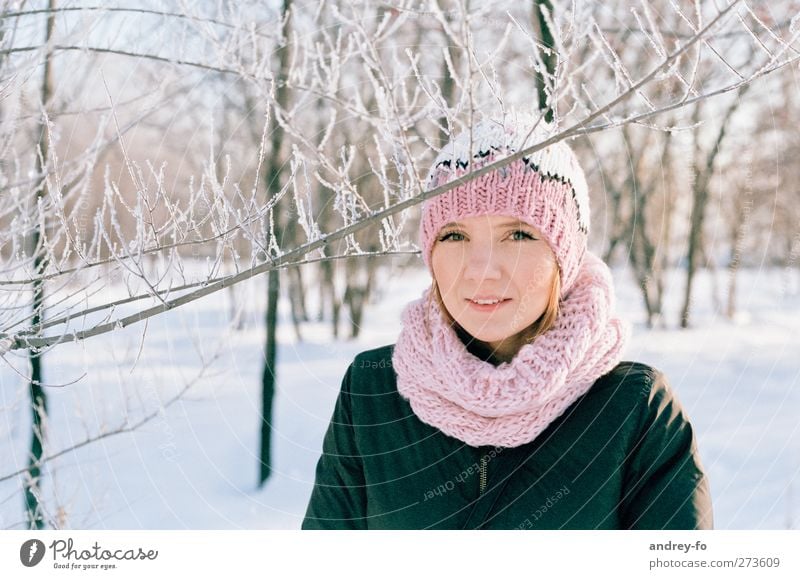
[510, 404]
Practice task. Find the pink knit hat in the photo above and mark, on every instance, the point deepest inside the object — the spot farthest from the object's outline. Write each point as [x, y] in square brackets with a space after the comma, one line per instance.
[546, 189]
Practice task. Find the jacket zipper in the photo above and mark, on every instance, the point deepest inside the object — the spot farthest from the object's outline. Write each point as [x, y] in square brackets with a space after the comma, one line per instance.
[482, 472]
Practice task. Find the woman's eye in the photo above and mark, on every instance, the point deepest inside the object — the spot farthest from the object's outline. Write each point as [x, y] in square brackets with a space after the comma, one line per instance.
[453, 235]
[520, 235]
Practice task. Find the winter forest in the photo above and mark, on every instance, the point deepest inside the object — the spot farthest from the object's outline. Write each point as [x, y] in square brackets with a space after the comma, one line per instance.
[209, 207]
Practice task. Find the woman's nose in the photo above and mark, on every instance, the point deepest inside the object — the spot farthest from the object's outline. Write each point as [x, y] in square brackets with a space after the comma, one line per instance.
[482, 263]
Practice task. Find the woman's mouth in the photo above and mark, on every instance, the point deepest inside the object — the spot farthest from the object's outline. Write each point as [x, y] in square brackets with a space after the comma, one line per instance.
[487, 304]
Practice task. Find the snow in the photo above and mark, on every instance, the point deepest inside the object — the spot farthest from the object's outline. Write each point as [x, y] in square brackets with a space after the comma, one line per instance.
[194, 464]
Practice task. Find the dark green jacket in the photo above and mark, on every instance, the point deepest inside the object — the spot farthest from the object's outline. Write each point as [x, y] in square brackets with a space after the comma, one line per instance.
[623, 456]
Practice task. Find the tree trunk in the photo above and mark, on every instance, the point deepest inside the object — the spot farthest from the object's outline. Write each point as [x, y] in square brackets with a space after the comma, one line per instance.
[295, 293]
[329, 297]
[643, 253]
[716, 299]
[790, 262]
[702, 182]
[643, 246]
[273, 178]
[360, 280]
[733, 270]
[737, 236]
[665, 241]
[300, 289]
[38, 397]
[549, 60]
[640, 271]
[655, 261]
[268, 376]
[336, 303]
[296, 300]
[619, 230]
[301, 295]
[324, 290]
[699, 201]
[321, 293]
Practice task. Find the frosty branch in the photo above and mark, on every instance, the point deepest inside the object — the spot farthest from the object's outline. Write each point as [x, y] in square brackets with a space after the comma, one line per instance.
[231, 222]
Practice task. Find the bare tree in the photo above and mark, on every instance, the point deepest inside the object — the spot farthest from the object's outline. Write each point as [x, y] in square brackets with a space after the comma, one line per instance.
[273, 177]
[704, 164]
[542, 20]
[40, 257]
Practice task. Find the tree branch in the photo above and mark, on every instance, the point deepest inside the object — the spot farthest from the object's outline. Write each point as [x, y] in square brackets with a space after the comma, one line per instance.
[60, 47]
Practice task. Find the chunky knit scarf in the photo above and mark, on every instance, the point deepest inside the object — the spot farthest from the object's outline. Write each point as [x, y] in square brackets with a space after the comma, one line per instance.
[510, 404]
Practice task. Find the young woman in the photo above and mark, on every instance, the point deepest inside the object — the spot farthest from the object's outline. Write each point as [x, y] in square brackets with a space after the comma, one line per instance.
[504, 403]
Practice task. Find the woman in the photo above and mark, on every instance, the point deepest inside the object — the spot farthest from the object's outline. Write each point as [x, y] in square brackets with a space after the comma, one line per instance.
[504, 403]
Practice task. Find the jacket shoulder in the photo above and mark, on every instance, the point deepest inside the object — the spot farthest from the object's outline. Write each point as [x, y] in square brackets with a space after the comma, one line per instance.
[372, 371]
[376, 354]
[633, 378]
[632, 391]
[633, 371]
[650, 385]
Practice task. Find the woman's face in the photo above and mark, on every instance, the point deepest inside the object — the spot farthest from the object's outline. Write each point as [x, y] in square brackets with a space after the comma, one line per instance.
[503, 263]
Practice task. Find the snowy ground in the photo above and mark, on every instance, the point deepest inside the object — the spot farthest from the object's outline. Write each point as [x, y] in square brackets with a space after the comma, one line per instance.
[194, 465]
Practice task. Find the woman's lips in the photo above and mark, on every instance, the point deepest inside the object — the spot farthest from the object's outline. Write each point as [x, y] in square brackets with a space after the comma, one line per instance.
[487, 307]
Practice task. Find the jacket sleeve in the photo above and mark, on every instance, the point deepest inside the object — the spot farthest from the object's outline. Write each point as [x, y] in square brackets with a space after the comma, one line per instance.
[338, 500]
[666, 487]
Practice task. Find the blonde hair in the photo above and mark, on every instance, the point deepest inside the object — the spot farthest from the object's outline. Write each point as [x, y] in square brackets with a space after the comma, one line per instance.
[537, 328]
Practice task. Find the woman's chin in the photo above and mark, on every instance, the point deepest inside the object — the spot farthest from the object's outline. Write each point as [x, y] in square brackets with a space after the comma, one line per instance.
[487, 338]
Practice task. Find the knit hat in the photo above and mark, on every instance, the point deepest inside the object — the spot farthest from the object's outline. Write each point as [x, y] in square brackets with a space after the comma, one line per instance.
[546, 189]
